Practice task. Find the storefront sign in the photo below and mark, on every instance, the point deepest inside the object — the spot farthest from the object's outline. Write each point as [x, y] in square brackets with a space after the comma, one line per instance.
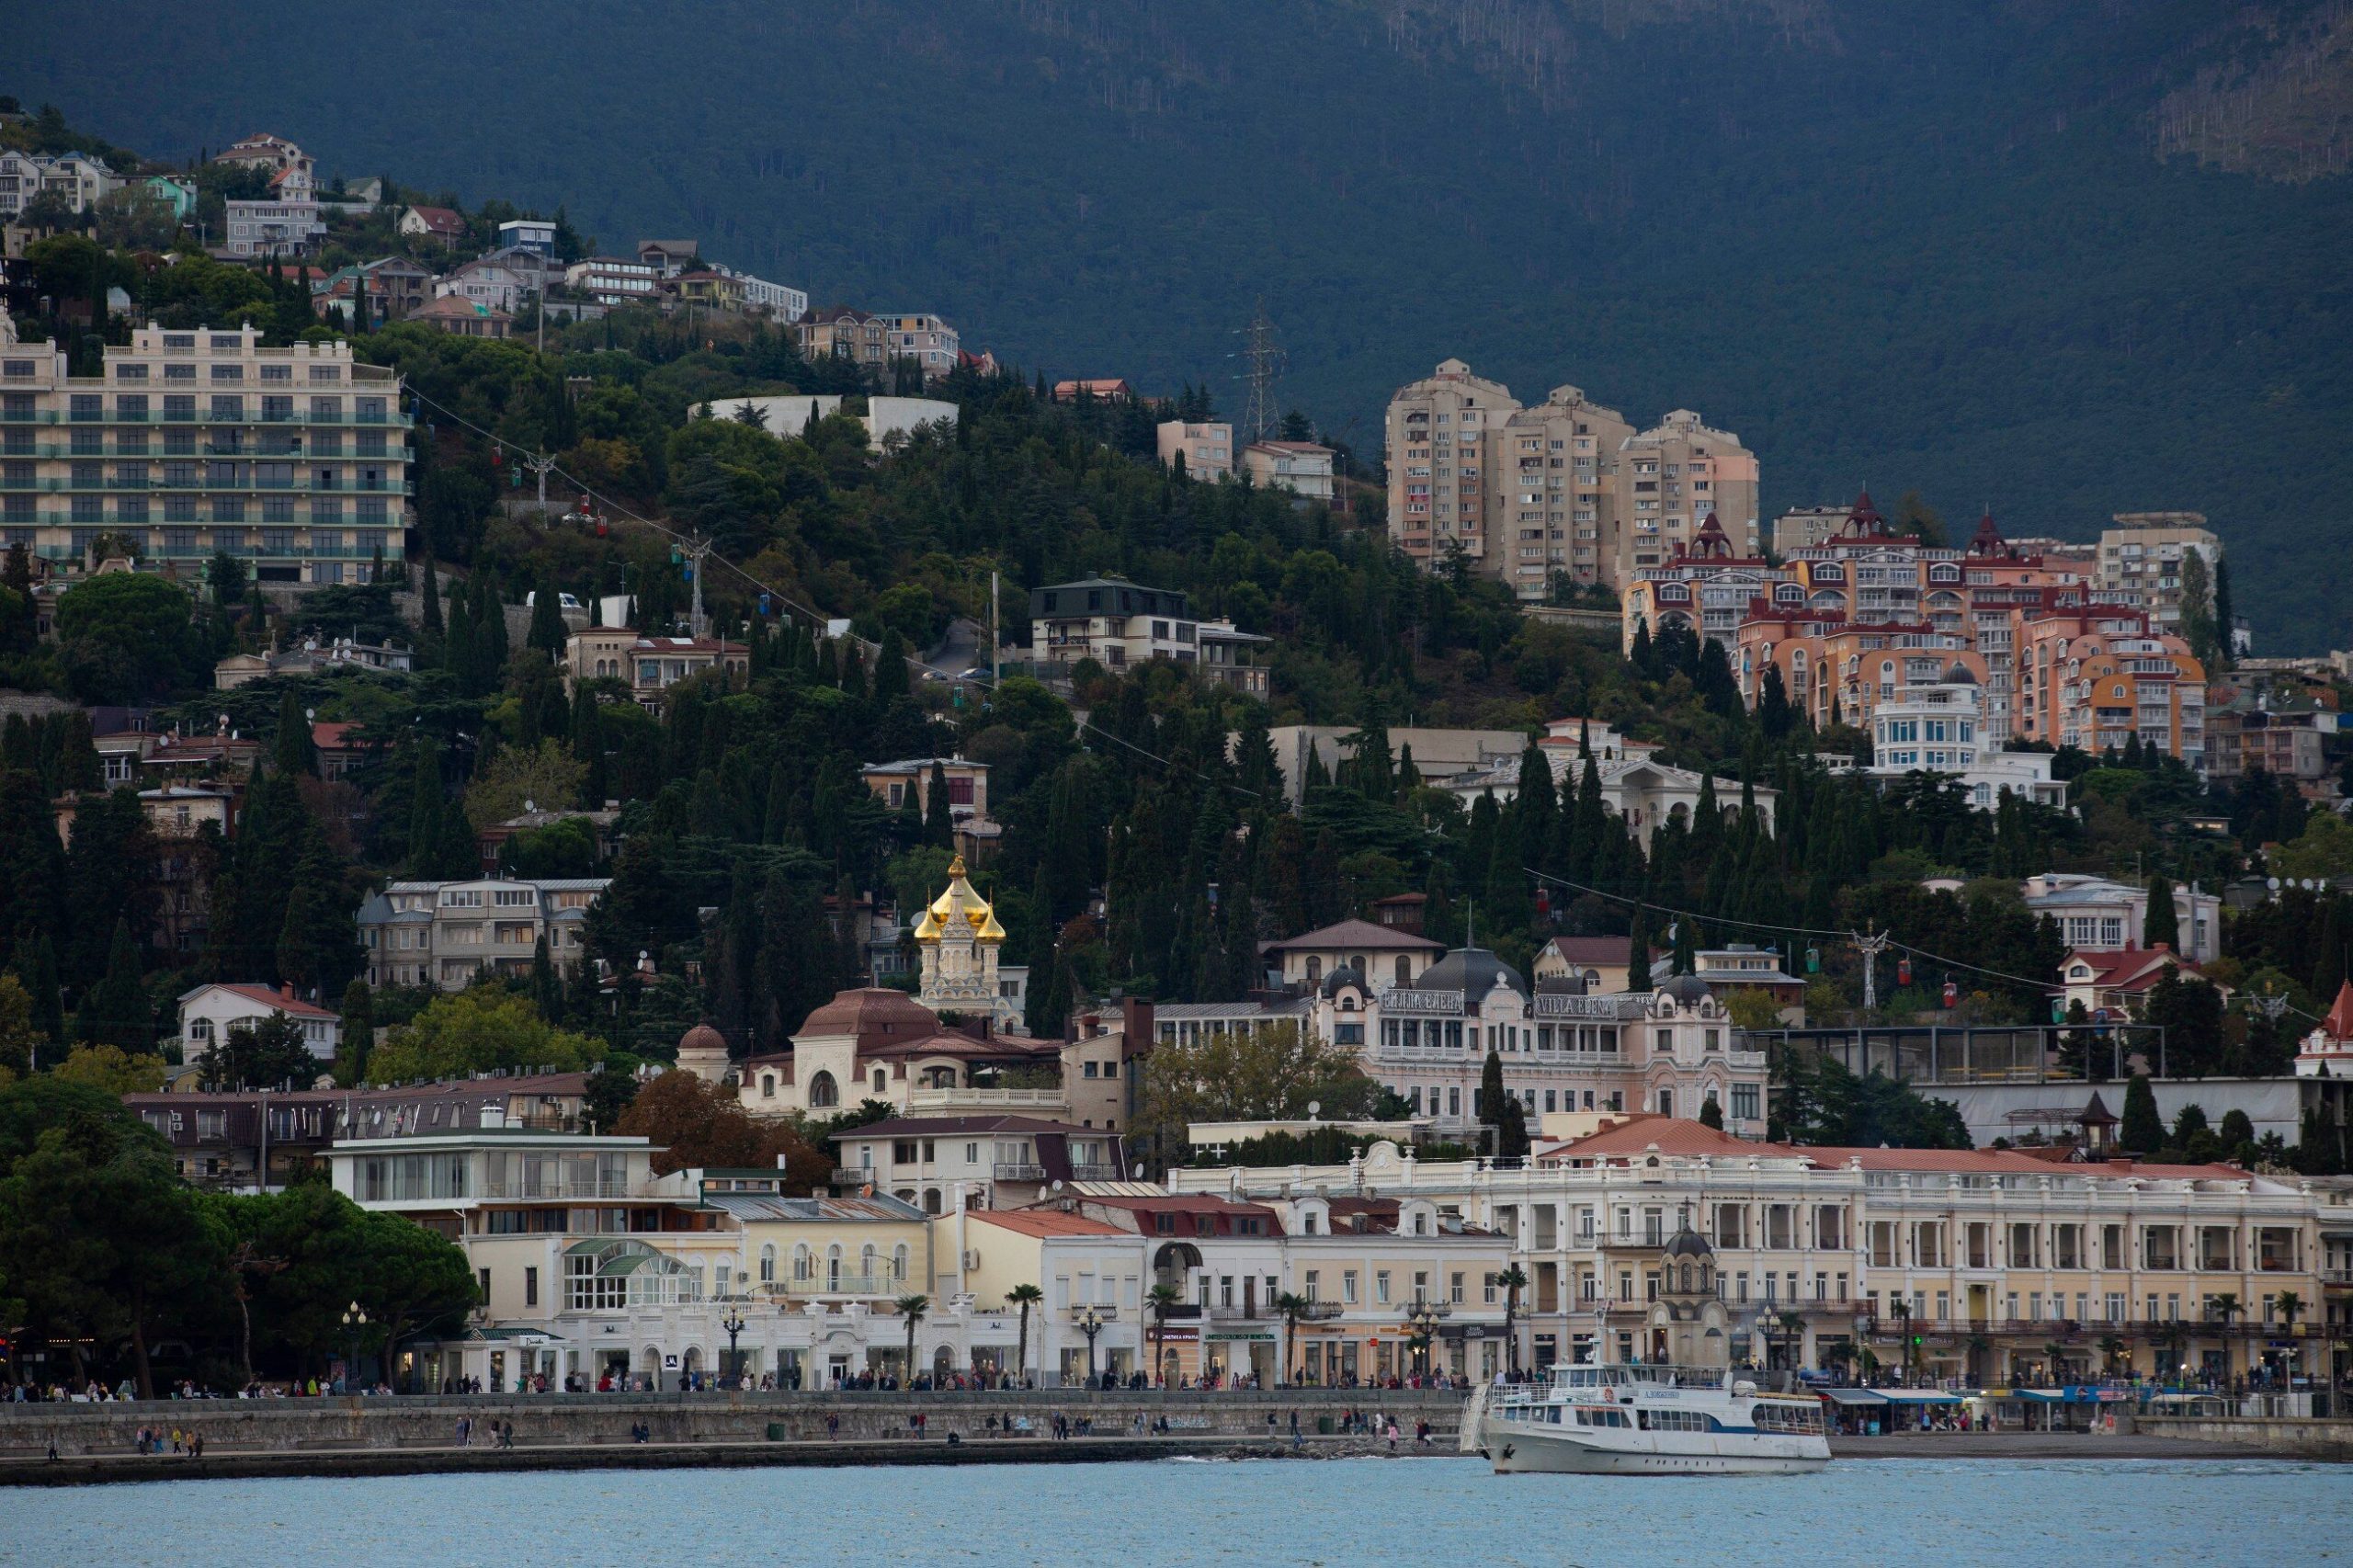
[1252, 1335]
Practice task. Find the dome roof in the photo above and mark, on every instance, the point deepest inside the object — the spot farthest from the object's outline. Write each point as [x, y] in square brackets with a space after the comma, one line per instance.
[1343, 974]
[873, 1010]
[1689, 1242]
[1471, 970]
[1958, 675]
[959, 894]
[1685, 989]
[702, 1041]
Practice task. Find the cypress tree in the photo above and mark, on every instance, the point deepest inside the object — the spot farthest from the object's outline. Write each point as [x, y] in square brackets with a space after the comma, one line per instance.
[2141, 1131]
[358, 1031]
[1491, 1091]
[891, 667]
[2329, 969]
[2162, 925]
[117, 1011]
[548, 631]
[938, 818]
[1638, 949]
[292, 753]
[1686, 957]
[49, 1003]
[430, 618]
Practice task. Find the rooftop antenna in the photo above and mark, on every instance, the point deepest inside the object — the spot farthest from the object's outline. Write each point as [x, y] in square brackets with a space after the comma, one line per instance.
[1262, 362]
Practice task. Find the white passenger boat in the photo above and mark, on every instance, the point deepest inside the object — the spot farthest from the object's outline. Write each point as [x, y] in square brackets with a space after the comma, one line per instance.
[1644, 1420]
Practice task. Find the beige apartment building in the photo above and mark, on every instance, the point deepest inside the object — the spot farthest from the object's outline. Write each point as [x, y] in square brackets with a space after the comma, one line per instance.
[1207, 449]
[2141, 560]
[1551, 463]
[1566, 487]
[1440, 501]
[1666, 483]
[295, 460]
[1803, 528]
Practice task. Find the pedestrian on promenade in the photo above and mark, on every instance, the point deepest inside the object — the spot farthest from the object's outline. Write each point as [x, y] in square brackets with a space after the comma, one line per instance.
[1298, 1440]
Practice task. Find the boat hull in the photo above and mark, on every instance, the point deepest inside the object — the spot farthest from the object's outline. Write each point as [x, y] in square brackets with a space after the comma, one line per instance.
[1546, 1453]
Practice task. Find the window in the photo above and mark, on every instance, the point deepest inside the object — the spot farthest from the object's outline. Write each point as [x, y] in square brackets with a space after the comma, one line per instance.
[530, 1286]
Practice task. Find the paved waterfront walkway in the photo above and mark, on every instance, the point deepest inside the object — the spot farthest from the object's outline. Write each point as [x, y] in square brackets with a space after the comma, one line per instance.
[481, 1458]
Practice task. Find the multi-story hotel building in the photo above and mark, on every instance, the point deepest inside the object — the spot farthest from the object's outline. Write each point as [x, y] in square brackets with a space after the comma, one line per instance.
[1970, 1265]
[2097, 676]
[1550, 469]
[295, 460]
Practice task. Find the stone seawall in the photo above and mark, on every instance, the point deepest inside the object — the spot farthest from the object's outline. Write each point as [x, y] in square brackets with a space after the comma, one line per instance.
[2331, 1439]
[346, 1426]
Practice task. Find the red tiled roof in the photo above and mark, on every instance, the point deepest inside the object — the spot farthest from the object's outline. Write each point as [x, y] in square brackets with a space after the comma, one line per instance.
[1639, 1130]
[874, 1010]
[1042, 1222]
[333, 736]
[277, 1000]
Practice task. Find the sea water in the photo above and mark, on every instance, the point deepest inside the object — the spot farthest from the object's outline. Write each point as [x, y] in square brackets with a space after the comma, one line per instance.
[1344, 1513]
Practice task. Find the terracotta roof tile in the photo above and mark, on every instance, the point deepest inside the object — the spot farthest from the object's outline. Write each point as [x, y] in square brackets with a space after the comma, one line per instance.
[1043, 1222]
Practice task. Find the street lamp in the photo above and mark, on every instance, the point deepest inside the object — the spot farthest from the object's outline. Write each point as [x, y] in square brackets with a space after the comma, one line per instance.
[1424, 1324]
[732, 1324]
[355, 1323]
[1090, 1324]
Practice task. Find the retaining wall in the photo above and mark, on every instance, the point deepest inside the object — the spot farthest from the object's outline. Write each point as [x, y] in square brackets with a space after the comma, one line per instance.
[288, 1426]
[2330, 1439]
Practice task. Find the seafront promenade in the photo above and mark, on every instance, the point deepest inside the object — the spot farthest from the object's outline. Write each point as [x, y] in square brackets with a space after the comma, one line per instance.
[814, 1423]
[375, 1436]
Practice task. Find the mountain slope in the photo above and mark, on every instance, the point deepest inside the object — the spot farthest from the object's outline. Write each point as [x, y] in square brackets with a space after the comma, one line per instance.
[1930, 245]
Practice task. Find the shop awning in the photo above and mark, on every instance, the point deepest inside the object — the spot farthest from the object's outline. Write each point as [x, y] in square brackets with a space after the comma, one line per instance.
[1852, 1396]
[2038, 1396]
[1920, 1396]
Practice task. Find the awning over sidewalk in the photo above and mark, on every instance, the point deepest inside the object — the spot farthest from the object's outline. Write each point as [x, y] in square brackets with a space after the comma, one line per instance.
[1920, 1396]
[1852, 1396]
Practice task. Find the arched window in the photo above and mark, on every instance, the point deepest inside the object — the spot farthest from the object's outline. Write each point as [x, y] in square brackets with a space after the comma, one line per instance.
[882, 1082]
[899, 1254]
[865, 1257]
[1314, 970]
[768, 1085]
[767, 1263]
[834, 1267]
[1405, 970]
[803, 1264]
[823, 1092]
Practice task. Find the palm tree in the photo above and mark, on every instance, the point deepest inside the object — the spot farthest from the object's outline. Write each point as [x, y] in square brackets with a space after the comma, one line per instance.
[1792, 1335]
[1025, 1297]
[1160, 1301]
[912, 1308]
[2227, 1306]
[1901, 1311]
[2055, 1355]
[2291, 1307]
[1513, 1279]
[1294, 1307]
[2113, 1349]
[1980, 1348]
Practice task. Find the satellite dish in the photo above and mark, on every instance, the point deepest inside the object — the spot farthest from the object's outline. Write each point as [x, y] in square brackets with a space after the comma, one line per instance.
[1058, 1186]
[1312, 1107]
[2271, 882]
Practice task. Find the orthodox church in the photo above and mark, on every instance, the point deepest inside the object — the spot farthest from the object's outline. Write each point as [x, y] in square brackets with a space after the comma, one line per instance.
[959, 937]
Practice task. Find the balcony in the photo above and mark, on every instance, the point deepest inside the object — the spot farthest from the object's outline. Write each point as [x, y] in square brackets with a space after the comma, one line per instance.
[1019, 1173]
[980, 1098]
[1321, 1311]
[1103, 1310]
[1096, 1173]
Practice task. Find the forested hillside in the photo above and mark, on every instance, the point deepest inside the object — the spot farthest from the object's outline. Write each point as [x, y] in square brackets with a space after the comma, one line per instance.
[2016, 254]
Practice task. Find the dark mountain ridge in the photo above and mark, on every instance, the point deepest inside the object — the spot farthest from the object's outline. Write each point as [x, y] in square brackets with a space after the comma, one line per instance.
[1982, 251]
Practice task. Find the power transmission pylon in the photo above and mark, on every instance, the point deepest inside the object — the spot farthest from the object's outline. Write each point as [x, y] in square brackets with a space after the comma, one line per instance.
[1262, 360]
[1870, 946]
